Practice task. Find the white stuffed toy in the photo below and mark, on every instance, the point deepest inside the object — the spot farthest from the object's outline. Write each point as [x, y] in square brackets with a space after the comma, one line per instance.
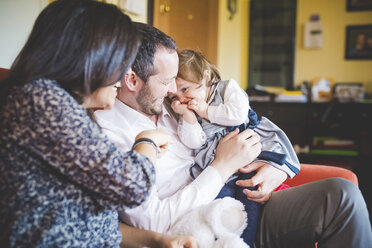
[215, 225]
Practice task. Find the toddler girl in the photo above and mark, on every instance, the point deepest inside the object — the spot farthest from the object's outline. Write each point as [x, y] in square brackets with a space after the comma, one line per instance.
[209, 108]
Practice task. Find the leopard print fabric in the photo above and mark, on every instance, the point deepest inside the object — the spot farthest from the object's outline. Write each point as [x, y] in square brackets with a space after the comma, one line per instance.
[62, 181]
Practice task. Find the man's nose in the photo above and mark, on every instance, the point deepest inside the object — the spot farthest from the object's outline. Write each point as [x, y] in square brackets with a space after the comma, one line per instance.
[172, 87]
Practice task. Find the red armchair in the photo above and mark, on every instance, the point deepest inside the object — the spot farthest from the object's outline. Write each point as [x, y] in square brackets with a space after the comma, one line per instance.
[3, 73]
[312, 172]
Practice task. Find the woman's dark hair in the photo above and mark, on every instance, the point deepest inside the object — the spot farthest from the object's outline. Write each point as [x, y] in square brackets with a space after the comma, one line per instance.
[81, 44]
[152, 39]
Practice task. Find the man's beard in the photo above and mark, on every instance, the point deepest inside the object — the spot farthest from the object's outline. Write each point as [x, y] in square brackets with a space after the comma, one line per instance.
[147, 101]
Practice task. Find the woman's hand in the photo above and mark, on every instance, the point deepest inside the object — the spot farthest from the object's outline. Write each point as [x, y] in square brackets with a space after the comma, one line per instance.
[168, 241]
[162, 140]
[267, 178]
[236, 150]
[135, 238]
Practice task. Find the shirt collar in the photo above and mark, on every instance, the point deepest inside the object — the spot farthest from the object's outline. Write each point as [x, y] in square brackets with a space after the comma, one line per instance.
[166, 110]
[127, 111]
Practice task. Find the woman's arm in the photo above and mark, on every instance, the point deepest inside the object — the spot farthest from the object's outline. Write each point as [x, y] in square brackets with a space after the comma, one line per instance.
[155, 144]
[136, 238]
[59, 132]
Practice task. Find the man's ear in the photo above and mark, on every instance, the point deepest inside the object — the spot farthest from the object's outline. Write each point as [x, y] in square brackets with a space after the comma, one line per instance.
[131, 80]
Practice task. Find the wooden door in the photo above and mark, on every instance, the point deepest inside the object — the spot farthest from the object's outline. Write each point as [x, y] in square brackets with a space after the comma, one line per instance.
[191, 23]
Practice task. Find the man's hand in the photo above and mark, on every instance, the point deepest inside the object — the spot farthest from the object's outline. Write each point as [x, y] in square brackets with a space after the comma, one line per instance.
[236, 150]
[267, 178]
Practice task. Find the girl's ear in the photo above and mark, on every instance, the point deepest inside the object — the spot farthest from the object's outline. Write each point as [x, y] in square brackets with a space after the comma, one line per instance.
[207, 76]
[130, 80]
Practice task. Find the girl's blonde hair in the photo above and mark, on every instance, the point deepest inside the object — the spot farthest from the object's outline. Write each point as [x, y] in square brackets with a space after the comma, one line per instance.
[193, 64]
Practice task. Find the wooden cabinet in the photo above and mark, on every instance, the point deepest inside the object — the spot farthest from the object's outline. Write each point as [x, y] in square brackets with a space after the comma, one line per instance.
[344, 126]
[344, 121]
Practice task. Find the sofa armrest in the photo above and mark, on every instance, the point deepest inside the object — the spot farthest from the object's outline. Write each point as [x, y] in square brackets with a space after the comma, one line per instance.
[312, 172]
[3, 73]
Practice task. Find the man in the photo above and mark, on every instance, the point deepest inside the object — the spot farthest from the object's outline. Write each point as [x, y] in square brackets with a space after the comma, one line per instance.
[327, 212]
[143, 92]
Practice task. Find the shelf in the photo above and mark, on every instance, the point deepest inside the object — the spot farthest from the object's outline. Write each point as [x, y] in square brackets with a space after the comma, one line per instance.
[345, 121]
[306, 124]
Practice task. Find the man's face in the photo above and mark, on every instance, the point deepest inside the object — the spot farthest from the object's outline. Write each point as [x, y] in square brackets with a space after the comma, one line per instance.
[151, 96]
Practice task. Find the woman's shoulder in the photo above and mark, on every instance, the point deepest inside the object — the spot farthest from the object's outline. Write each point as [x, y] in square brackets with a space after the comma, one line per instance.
[45, 97]
[45, 86]
[48, 91]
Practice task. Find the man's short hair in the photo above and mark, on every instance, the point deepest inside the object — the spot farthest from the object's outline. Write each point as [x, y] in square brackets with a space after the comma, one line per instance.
[152, 39]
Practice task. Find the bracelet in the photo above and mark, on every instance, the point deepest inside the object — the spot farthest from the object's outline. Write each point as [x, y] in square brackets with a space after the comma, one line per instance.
[146, 141]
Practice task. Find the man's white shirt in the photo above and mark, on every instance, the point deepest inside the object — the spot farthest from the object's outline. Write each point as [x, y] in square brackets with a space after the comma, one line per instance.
[175, 192]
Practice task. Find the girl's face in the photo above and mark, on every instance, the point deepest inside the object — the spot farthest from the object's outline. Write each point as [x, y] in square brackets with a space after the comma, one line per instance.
[186, 91]
[103, 97]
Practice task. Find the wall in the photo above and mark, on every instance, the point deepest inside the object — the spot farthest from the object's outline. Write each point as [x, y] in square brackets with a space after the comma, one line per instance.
[329, 61]
[133, 17]
[16, 20]
[233, 42]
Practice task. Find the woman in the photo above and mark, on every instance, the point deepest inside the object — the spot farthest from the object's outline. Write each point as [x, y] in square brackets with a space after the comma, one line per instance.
[61, 180]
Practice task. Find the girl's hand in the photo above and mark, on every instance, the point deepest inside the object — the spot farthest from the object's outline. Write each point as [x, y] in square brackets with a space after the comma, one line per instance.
[179, 108]
[182, 109]
[200, 107]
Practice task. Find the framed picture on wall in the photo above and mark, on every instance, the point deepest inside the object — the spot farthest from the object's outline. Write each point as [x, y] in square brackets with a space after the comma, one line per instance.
[358, 5]
[358, 42]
